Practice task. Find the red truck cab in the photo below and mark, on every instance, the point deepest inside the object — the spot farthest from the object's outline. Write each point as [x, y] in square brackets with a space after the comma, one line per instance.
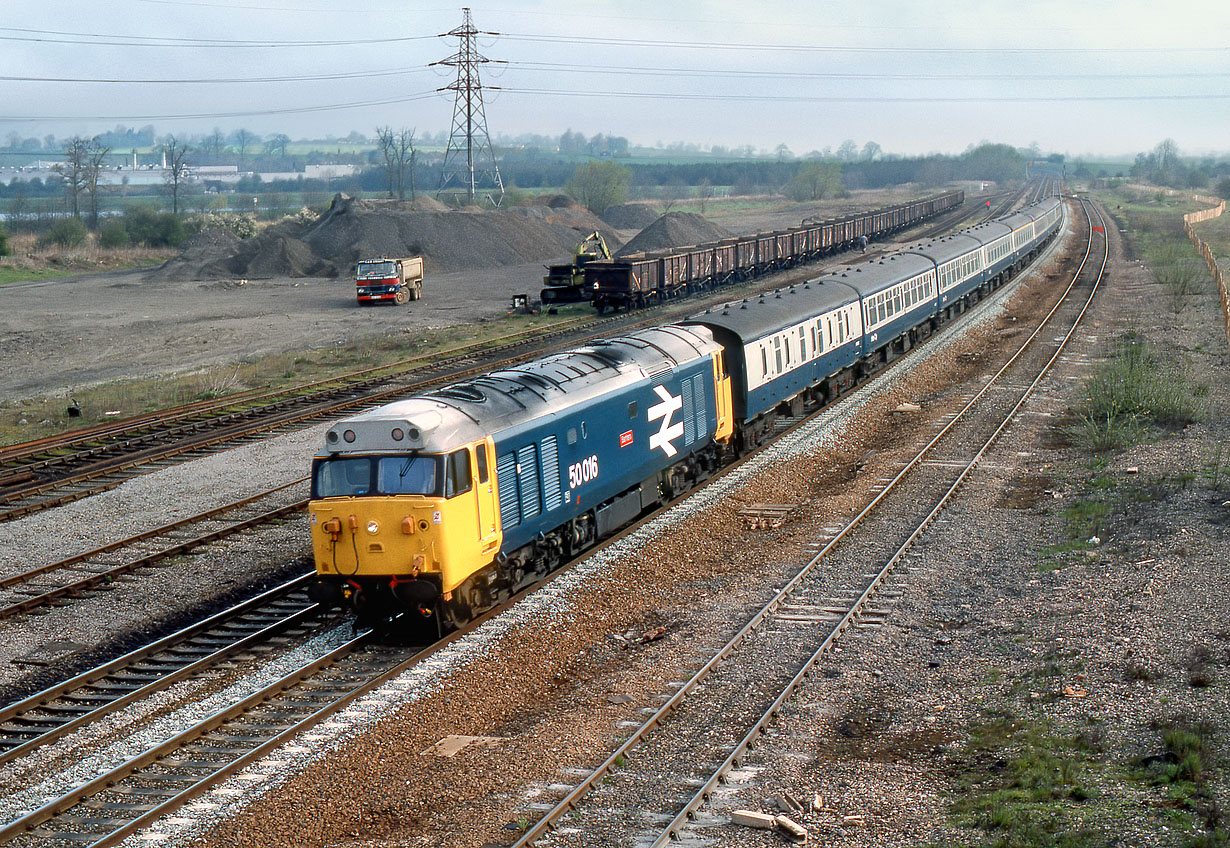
[389, 280]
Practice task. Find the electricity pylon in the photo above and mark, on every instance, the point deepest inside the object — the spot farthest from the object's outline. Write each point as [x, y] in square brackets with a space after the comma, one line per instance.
[469, 137]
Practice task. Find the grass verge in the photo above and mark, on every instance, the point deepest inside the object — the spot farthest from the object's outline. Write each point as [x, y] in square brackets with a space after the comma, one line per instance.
[25, 420]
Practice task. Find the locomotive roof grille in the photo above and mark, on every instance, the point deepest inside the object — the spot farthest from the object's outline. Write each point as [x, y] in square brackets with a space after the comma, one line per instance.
[461, 391]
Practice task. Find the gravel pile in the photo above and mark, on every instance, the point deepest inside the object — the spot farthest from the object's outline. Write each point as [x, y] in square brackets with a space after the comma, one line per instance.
[352, 229]
[630, 216]
[674, 229]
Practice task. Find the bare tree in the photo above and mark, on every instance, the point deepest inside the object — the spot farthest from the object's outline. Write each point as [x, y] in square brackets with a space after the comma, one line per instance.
[397, 148]
[73, 170]
[215, 143]
[96, 158]
[277, 144]
[674, 192]
[704, 191]
[178, 169]
[1167, 153]
[243, 139]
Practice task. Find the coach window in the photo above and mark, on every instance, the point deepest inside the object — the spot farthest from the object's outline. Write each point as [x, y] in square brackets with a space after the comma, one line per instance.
[777, 349]
[764, 361]
[803, 344]
[897, 301]
[457, 480]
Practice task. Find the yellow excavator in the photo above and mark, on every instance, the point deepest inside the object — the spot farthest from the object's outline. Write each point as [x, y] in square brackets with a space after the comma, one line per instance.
[565, 283]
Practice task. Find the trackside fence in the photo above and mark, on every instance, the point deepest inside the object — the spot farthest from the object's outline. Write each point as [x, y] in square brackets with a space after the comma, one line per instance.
[1189, 220]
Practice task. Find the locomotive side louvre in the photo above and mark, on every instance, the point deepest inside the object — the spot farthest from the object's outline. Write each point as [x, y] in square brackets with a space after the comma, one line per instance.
[564, 464]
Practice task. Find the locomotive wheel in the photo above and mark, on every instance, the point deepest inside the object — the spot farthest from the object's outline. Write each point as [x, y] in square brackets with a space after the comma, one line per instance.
[402, 297]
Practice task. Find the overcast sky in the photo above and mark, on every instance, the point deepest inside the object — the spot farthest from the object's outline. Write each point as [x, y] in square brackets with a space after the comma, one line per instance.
[1075, 77]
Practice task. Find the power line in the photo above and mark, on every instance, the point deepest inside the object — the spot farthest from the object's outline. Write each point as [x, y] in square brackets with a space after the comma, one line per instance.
[803, 98]
[225, 80]
[240, 114]
[817, 48]
[716, 72]
[106, 39]
[560, 67]
[333, 10]
[54, 37]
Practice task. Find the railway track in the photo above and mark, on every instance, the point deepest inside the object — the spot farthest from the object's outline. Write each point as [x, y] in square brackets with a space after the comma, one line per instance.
[654, 787]
[71, 577]
[49, 472]
[210, 736]
[282, 613]
[165, 776]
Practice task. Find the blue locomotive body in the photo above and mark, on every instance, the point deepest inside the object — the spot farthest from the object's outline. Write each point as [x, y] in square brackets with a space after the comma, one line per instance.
[604, 450]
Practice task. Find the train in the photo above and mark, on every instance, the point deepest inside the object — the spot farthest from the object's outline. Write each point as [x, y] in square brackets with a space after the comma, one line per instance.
[437, 507]
[644, 279]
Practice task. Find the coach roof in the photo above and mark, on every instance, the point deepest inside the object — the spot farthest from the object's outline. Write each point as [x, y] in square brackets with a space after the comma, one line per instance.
[759, 316]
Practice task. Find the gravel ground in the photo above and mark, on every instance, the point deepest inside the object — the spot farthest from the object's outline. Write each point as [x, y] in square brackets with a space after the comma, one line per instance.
[121, 326]
[35, 649]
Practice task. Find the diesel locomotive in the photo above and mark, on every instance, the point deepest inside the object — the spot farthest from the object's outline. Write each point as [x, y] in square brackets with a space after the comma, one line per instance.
[440, 505]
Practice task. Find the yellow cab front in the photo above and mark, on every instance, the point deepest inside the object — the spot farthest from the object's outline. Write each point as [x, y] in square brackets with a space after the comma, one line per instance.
[401, 530]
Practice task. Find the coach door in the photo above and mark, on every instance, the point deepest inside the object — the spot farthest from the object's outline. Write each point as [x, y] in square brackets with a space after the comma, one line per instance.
[484, 478]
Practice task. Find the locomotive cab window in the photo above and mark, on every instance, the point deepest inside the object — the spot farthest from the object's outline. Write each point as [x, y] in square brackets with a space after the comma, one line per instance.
[413, 474]
[632, 409]
[458, 479]
[337, 478]
[408, 475]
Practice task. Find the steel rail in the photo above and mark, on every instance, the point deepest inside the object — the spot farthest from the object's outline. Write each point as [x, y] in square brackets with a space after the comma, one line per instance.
[161, 530]
[569, 802]
[108, 576]
[164, 682]
[286, 684]
[70, 799]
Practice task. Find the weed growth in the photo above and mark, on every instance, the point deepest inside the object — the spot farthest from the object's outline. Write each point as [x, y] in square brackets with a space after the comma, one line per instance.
[1131, 394]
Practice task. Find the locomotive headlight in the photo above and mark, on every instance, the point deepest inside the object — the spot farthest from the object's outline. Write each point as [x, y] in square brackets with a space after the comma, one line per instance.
[373, 527]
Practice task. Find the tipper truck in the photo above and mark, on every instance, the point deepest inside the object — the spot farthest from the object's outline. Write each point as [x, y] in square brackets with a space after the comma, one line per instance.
[389, 280]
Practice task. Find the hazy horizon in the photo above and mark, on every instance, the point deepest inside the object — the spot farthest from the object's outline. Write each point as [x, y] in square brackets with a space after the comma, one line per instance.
[1100, 79]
